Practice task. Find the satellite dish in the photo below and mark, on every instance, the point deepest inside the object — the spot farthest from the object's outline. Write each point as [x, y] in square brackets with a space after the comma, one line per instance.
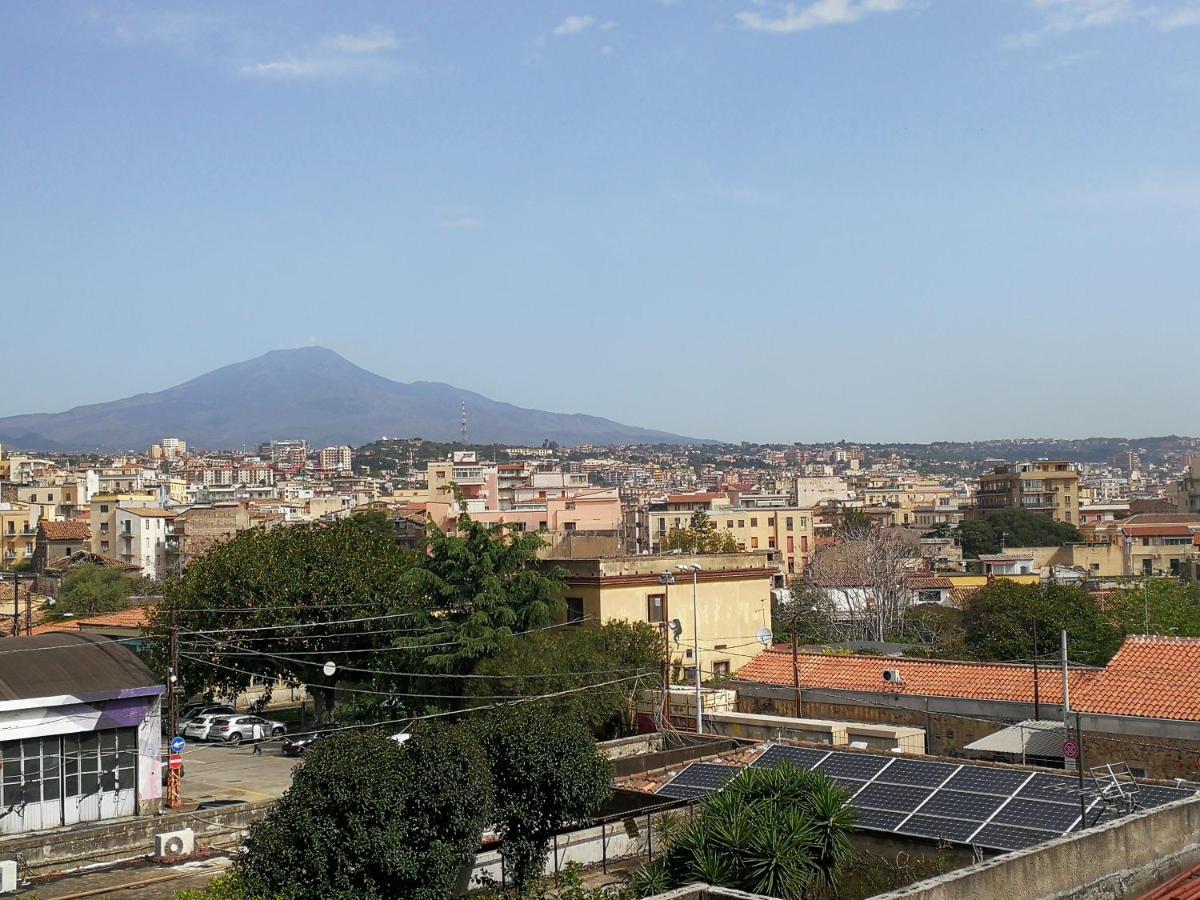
[765, 636]
[329, 668]
[676, 629]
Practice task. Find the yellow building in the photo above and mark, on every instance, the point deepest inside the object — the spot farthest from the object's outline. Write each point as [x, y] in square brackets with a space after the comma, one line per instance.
[18, 533]
[786, 529]
[1046, 486]
[1188, 489]
[733, 591]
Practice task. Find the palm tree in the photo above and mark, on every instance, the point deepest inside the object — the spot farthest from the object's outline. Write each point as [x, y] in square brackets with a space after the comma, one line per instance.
[782, 832]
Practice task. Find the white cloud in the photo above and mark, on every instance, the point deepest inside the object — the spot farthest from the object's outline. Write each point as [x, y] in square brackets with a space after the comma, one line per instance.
[820, 14]
[374, 41]
[1060, 17]
[342, 55]
[573, 25]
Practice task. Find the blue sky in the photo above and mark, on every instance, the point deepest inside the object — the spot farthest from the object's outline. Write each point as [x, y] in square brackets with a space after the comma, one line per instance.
[860, 219]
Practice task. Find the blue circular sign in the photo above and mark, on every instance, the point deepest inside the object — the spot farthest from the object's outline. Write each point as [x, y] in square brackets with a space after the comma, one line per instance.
[177, 744]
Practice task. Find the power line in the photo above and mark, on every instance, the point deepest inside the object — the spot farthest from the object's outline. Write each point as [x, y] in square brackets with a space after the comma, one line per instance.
[301, 624]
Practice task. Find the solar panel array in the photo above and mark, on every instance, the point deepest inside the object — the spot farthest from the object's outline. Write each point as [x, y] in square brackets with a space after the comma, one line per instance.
[994, 808]
[698, 780]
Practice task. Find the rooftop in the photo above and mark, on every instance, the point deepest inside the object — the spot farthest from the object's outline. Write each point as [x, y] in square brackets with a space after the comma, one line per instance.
[71, 530]
[1151, 676]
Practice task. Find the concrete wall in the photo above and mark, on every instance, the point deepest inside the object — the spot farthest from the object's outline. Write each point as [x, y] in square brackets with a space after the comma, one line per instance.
[1121, 859]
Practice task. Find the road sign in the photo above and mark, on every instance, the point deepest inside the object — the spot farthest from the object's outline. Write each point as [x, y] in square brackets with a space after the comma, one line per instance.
[177, 744]
[1070, 750]
[175, 761]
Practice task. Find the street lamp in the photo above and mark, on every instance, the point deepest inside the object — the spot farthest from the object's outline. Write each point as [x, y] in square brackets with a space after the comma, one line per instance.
[694, 568]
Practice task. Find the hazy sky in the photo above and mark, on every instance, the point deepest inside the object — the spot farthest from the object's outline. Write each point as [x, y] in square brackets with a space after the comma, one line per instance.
[869, 219]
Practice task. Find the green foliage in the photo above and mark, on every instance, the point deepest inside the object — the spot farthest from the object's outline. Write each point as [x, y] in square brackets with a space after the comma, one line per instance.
[483, 584]
[559, 660]
[1017, 527]
[1157, 605]
[782, 832]
[998, 622]
[296, 576]
[935, 631]
[852, 519]
[701, 536]
[568, 886]
[546, 773]
[368, 818]
[94, 590]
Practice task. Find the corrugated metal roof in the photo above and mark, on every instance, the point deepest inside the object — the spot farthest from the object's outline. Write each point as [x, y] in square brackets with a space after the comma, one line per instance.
[1032, 737]
[70, 664]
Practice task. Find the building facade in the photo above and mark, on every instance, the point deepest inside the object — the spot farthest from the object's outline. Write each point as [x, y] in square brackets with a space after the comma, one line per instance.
[1050, 487]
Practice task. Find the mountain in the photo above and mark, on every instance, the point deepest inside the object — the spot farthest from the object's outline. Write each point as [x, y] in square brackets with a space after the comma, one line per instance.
[311, 393]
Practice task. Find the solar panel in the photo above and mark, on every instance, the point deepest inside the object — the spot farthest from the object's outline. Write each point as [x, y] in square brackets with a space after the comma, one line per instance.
[1058, 788]
[852, 765]
[961, 805]
[1008, 837]
[850, 785]
[984, 780]
[1150, 795]
[897, 797]
[1040, 814]
[879, 819]
[938, 828]
[911, 771]
[698, 780]
[800, 757]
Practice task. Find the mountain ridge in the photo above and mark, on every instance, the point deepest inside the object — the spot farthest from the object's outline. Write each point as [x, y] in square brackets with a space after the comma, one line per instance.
[312, 393]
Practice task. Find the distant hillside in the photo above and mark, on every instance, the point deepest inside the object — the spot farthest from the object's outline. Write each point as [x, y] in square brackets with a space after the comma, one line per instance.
[311, 393]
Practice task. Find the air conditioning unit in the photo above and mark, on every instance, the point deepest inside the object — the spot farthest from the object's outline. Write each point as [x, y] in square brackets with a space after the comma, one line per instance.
[892, 676]
[175, 843]
[8, 876]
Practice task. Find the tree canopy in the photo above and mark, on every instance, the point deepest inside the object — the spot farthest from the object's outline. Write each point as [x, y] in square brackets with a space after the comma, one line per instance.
[1014, 528]
[559, 660]
[701, 536]
[998, 622]
[366, 817]
[546, 772]
[94, 590]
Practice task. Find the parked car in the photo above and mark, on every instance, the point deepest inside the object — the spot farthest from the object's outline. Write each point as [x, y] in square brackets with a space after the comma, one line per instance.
[198, 727]
[235, 729]
[219, 710]
[298, 744]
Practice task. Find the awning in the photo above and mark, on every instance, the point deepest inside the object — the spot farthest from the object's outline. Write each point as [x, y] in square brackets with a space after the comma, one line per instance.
[1029, 738]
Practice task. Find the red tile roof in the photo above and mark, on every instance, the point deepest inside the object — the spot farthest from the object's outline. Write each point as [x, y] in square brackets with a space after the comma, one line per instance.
[929, 583]
[66, 531]
[136, 617]
[960, 595]
[920, 677]
[1159, 530]
[1151, 676]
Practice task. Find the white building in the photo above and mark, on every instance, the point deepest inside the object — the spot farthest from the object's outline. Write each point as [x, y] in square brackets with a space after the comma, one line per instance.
[142, 538]
[337, 459]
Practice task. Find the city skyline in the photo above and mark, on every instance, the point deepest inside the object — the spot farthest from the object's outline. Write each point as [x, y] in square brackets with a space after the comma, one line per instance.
[877, 220]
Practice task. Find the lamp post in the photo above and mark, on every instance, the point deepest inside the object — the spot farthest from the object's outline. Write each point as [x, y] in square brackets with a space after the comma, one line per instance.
[694, 568]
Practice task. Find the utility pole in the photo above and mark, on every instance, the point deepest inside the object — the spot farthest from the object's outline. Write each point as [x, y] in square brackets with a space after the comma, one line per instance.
[1066, 700]
[695, 570]
[16, 629]
[1037, 683]
[174, 795]
[796, 672]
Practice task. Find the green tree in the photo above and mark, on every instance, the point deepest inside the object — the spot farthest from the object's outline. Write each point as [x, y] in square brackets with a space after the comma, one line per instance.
[368, 818]
[1014, 528]
[93, 590]
[549, 661]
[998, 622]
[546, 772]
[1157, 606]
[782, 832]
[701, 536]
[305, 588]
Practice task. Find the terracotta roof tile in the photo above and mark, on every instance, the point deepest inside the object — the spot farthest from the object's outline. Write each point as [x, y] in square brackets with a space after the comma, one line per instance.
[72, 530]
[1151, 676]
[920, 677]
[136, 617]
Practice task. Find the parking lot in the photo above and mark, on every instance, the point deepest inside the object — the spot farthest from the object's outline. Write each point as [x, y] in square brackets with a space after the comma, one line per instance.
[221, 772]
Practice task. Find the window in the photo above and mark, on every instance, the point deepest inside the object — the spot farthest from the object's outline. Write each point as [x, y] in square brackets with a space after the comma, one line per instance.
[688, 653]
[104, 528]
[791, 565]
[721, 669]
[729, 524]
[569, 526]
[1147, 567]
[720, 646]
[771, 542]
[103, 507]
[771, 521]
[787, 523]
[741, 523]
[104, 546]
[753, 522]
[575, 610]
[542, 525]
[656, 608]
[1174, 567]
[791, 544]
[753, 543]
[689, 674]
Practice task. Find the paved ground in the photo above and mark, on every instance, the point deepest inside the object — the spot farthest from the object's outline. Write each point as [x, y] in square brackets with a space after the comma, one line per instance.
[220, 772]
[144, 881]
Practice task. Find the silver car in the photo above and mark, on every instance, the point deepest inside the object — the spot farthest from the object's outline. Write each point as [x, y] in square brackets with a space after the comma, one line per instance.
[197, 728]
[235, 729]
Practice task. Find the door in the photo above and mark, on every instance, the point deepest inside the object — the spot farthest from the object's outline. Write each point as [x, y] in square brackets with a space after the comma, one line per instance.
[31, 786]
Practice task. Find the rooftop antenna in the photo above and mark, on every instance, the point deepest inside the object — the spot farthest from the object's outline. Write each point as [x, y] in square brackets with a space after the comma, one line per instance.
[464, 423]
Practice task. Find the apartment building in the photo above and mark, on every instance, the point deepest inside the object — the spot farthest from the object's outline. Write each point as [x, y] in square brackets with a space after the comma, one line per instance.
[662, 514]
[1046, 486]
[54, 502]
[732, 593]
[141, 538]
[1187, 491]
[18, 533]
[785, 529]
[103, 520]
[336, 459]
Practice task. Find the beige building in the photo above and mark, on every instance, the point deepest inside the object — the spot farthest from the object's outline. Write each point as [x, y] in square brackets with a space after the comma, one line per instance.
[733, 591]
[103, 520]
[1046, 486]
[18, 533]
[203, 526]
[786, 530]
[1188, 489]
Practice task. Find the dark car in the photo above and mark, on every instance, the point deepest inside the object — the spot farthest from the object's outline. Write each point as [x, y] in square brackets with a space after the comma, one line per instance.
[298, 743]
